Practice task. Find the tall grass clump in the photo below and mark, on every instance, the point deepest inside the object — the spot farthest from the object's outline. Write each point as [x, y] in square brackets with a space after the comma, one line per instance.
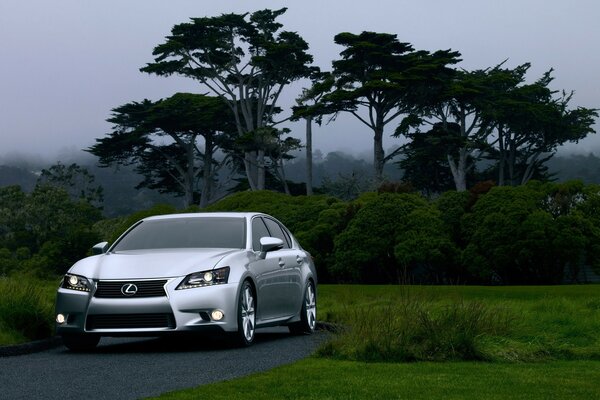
[412, 328]
[26, 309]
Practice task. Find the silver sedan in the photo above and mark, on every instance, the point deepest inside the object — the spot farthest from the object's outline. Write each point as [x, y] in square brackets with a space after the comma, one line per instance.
[202, 272]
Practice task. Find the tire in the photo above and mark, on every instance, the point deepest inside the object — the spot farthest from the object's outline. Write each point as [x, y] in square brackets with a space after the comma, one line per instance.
[308, 312]
[246, 315]
[81, 342]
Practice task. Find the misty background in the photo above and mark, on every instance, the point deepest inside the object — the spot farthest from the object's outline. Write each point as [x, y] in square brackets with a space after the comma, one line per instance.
[66, 64]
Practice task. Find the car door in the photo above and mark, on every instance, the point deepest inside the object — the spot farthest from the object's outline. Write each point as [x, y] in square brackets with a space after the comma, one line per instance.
[266, 274]
[289, 286]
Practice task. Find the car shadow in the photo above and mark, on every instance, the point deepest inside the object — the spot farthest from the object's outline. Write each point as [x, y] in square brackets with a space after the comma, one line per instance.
[183, 343]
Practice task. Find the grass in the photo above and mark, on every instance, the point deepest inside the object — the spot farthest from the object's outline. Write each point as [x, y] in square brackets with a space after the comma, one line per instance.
[316, 378]
[541, 343]
[415, 329]
[26, 309]
[437, 323]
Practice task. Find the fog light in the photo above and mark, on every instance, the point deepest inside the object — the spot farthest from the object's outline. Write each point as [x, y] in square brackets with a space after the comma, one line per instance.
[217, 315]
[60, 319]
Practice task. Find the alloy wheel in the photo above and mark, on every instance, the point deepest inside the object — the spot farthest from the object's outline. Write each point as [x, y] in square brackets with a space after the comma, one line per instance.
[247, 312]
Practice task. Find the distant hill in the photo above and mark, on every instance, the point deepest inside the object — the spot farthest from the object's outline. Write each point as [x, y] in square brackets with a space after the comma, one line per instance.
[10, 175]
[583, 167]
[121, 197]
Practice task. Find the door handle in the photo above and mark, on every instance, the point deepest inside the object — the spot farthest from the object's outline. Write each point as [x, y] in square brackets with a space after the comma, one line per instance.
[299, 260]
[281, 262]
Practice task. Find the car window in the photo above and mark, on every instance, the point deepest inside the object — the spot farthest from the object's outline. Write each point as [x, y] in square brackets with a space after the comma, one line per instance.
[176, 233]
[258, 230]
[277, 232]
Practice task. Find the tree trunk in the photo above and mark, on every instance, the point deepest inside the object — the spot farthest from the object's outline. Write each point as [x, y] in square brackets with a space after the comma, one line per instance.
[285, 185]
[260, 160]
[309, 161]
[190, 173]
[378, 153]
[251, 170]
[530, 168]
[207, 173]
[502, 156]
[512, 161]
[459, 170]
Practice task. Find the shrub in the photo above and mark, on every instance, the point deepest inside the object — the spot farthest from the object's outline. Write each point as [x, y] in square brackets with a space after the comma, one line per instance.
[45, 230]
[8, 262]
[417, 329]
[452, 206]
[25, 308]
[107, 229]
[424, 248]
[528, 234]
[364, 251]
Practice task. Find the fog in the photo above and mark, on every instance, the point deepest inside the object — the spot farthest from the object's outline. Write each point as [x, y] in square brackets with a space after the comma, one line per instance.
[66, 64]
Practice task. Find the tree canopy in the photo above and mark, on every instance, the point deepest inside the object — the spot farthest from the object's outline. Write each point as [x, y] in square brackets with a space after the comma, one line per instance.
[499, 117]
[246, 60]
[378, 78]
[160, 138]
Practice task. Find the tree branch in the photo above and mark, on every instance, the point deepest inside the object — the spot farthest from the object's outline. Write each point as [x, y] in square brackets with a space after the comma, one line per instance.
[362, 120]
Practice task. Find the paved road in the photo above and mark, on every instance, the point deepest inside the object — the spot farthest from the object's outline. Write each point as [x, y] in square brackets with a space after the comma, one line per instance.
[130, 368]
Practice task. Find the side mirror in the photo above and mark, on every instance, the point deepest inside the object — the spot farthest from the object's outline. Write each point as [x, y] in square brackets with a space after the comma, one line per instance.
[270, 244]
[100, 248]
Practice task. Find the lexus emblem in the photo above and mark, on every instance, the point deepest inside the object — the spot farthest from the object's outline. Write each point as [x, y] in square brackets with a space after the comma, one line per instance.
[129, 289]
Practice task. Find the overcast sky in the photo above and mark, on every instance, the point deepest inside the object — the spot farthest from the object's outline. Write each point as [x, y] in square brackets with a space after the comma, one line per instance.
[66, 63]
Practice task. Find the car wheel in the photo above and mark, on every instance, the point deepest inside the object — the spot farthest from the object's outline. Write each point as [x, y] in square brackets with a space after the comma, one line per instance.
[81, 342]
[246, 315]
[308, 313]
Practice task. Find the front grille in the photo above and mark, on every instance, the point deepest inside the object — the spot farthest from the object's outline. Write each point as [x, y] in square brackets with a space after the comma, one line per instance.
[112, 289]
[129, 321]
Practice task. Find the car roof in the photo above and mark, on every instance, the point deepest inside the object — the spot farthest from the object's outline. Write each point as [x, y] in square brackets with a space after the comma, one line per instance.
[204, 215]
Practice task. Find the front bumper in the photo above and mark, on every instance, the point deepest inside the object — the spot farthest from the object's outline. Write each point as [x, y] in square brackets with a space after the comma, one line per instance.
[186, 310]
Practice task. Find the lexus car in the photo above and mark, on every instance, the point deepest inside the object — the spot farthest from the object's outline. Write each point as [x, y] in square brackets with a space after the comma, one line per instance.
[201, 272]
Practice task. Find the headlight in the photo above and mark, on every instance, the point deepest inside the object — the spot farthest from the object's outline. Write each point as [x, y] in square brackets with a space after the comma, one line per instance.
[75, 282]
[205, 278]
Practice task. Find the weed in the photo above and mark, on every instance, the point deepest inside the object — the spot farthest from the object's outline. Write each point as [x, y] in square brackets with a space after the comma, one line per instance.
[418, 329]
[25, 309]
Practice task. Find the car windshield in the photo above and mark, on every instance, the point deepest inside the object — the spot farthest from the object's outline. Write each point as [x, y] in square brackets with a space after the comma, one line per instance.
[178, 233]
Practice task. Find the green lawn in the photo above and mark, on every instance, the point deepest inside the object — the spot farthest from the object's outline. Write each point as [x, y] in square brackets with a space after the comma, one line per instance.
[527, 323]
[539, 342]
[26, 309]
[316, 378]
[550, 348]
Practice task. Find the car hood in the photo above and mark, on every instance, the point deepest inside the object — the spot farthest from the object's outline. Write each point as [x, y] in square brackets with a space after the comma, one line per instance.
[147, 264]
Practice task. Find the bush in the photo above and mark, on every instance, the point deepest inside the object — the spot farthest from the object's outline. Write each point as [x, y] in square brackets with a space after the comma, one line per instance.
[452, 206]
[8, 262]
[589, 209]
[424, 248]
[528, 234]
[26, 309]
[45, 230]
[416, 329]
[364, 251]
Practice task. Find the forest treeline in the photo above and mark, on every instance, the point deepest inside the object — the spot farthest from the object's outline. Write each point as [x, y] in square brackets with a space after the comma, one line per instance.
[467, 196]
[538, 233]
[336, 174]
[459, 127]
